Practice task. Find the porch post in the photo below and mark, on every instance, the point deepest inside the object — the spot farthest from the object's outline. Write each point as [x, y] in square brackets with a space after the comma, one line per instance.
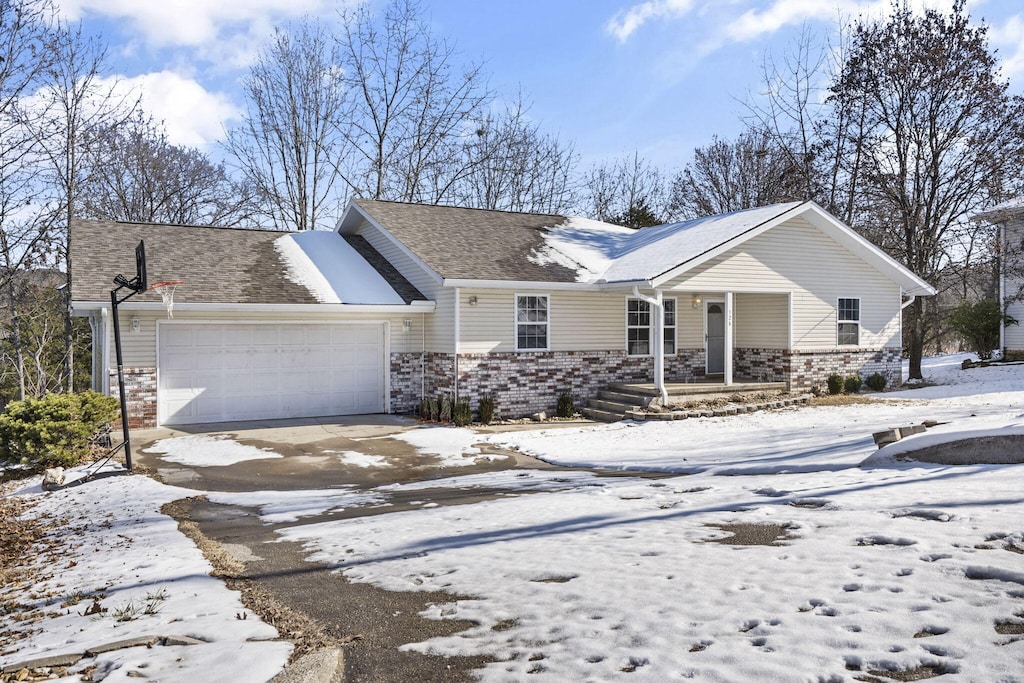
[727, 370]
[658, 311]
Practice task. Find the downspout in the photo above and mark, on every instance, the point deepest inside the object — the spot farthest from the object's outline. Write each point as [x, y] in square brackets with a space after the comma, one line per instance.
[105, 356]
[659, 339]
[423, 355]
[456, 363]
[1001, 262]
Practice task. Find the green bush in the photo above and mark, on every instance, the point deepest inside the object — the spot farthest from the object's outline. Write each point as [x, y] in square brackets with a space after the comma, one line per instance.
[876, 382]
[54, 430]
[835, 384]
[486, 409]
[462, 414]
[979, 324]
[852, 384]
[424, 409]
[433, 409]
[445, 411]
[565, 405]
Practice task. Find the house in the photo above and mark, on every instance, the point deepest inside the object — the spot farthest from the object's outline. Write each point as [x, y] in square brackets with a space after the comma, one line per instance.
[1009, 219]
[403, 301]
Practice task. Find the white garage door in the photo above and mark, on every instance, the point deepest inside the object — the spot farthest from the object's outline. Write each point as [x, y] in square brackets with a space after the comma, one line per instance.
[224, 372]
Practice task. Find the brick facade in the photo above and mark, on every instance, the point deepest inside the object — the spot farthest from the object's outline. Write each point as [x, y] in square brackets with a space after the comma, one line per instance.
[140, 394]
[529, 382]
[810, 369]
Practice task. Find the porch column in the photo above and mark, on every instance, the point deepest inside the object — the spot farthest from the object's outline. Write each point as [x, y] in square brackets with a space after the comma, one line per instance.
[658, 311]
[727, 370]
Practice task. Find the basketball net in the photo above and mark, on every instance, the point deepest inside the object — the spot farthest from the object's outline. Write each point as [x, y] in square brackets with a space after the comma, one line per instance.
[166, 292]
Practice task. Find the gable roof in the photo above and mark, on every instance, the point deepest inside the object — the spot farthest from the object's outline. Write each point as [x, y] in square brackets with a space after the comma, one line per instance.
[1003, 210]
[231, 265]
[467, 246]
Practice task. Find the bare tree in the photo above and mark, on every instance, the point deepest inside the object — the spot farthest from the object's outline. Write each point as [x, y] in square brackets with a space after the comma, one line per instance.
[939, 127]
[25, 50]
[628, 191]
[513, 166]
[76, 103]
[728, 176]
[289, 143]
[134, 174]
[413, 108]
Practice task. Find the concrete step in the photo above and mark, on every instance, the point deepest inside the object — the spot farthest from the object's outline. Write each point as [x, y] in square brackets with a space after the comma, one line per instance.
[602, 415]
[639, 400]
[611, 406]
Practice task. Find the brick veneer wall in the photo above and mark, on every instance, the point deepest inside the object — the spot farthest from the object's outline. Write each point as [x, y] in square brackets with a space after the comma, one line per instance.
[140, 394]
[525, 383]
[406, 382]
[761, 365]
[810, 369]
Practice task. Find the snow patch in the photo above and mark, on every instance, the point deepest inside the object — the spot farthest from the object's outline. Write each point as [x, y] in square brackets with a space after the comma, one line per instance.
[333, 272]
[208, 451]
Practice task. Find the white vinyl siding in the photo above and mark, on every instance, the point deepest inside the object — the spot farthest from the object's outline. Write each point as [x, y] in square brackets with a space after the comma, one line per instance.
[761, 321]
[1013, 335]
[796, 257]
[532, 322]
[411, 270]
[139, 348]
[579, 321]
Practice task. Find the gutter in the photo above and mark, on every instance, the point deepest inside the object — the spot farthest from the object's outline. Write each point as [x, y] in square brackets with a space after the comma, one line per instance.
[390, 309]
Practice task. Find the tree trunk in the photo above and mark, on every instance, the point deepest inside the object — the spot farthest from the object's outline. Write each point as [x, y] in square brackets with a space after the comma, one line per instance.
[915, 345]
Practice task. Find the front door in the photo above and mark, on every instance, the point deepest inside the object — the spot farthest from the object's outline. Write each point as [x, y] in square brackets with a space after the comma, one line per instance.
[715, 337]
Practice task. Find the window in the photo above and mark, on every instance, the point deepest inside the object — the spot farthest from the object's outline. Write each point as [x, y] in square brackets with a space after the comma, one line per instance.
[639, 330]
[531, 322]
[848, 316]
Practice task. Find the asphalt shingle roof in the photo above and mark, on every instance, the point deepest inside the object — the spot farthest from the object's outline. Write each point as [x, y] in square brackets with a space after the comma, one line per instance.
[218, 265]
[473, 244]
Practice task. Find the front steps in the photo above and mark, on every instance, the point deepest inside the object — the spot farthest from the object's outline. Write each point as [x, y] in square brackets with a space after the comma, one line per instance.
[629, 401]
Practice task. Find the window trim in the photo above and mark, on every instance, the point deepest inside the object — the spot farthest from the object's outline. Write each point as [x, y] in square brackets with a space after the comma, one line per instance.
[650, 328]
[841, 321]
[516, 323]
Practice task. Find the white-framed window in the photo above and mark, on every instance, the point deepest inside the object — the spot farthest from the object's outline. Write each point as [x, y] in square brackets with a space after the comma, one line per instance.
[640, 326]
[848, 322]
[532, 322]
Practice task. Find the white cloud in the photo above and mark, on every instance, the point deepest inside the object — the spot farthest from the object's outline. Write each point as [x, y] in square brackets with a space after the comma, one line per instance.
[625, 22]
[195, 22]
[1009, 39]
[192, 115]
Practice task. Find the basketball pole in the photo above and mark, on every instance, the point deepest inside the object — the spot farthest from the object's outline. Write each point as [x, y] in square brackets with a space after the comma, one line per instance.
[120, 375]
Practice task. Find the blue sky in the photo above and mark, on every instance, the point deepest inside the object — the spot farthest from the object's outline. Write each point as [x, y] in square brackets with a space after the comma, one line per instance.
[659, 76]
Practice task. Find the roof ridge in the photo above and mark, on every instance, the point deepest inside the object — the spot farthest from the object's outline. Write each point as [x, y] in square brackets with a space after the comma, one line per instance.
[186, 225]
[460, 208]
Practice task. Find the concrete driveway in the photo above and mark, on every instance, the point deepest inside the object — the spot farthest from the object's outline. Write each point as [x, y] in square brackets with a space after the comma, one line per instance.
[372, 623]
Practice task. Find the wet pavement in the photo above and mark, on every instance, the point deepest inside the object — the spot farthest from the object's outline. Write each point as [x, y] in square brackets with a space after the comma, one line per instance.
[381, 620]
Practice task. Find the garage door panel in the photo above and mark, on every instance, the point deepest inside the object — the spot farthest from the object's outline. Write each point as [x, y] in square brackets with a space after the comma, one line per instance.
[222, 372]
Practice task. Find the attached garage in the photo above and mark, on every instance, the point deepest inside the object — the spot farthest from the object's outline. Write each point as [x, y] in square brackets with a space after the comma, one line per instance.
[220, 372]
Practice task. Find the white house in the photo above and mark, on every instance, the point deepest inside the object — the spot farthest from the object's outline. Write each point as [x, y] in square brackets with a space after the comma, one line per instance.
[404, 301]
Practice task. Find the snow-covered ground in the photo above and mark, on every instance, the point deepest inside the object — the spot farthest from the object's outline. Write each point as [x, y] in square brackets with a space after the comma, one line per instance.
[896, 566]
[121, 570]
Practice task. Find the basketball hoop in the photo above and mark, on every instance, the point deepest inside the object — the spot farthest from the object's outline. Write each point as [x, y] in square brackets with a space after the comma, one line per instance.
[166, 292]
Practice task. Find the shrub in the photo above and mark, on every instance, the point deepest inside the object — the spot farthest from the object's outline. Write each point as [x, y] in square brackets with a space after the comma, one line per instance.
[852, 384]
[979, 324]
[445, 411]
[434, 407]
[565, 405]
[835, 383]
[462, 414]
[486, 409]
[54, 430]
[876, 382]
[424, 410]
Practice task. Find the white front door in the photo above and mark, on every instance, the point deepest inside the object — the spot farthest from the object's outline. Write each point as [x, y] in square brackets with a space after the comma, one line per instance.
[714, 325]
[252, 371]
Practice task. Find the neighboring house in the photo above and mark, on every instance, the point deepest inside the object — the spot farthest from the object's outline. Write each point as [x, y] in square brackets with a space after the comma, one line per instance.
[405, 301]
[1009, 217]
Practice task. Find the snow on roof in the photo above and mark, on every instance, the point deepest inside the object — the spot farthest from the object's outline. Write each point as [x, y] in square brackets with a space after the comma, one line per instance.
[1015, 204]
[610, 253]
[332, 271]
